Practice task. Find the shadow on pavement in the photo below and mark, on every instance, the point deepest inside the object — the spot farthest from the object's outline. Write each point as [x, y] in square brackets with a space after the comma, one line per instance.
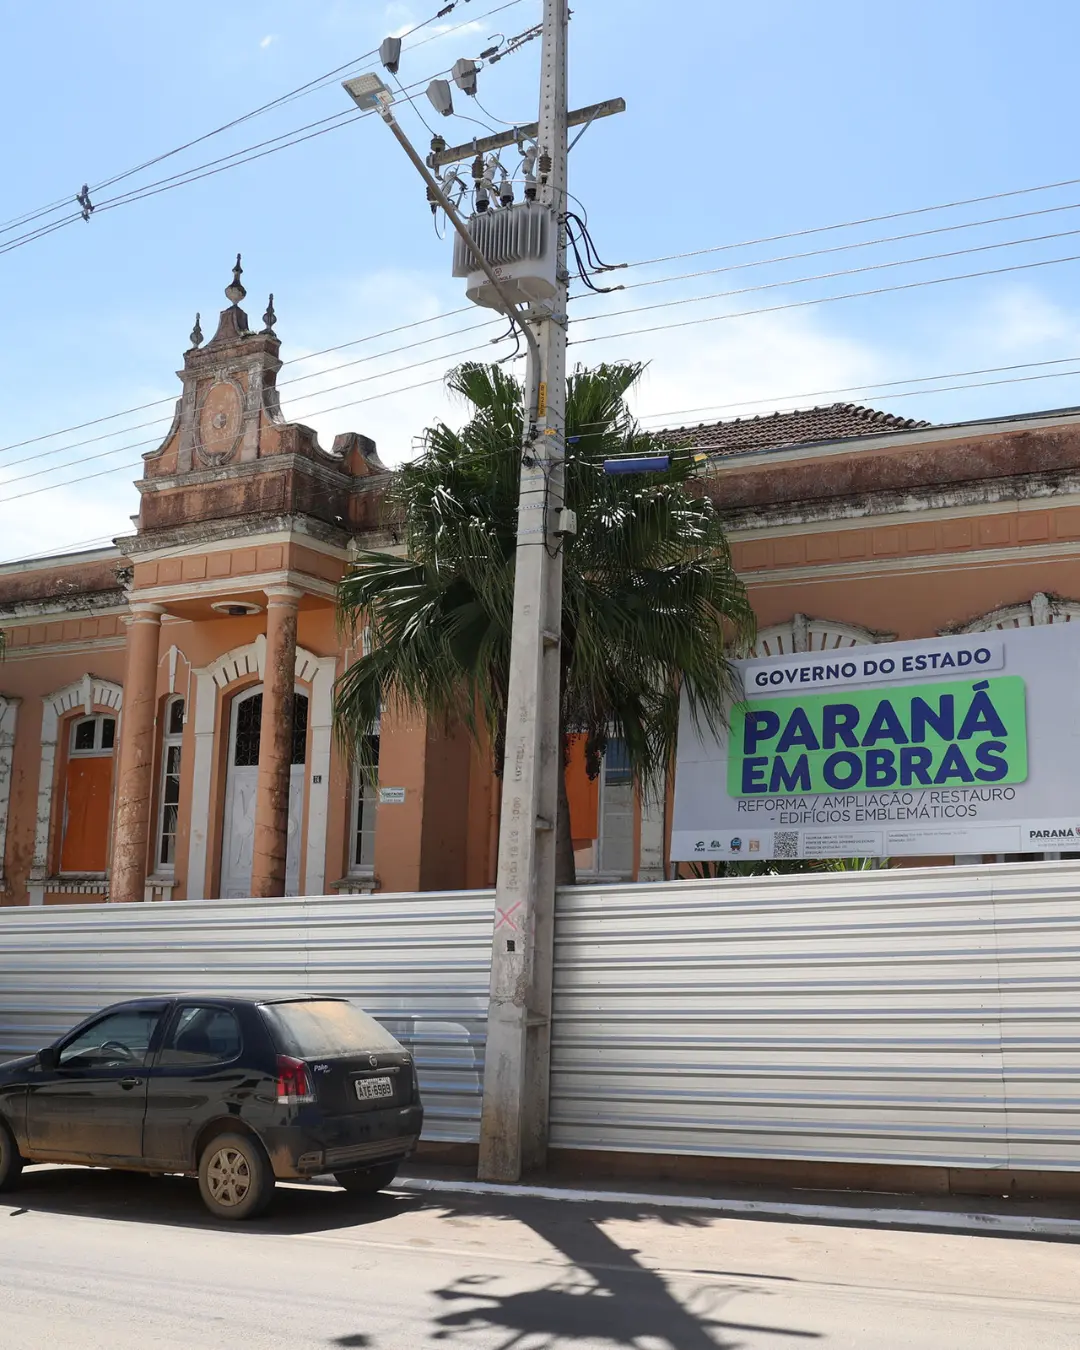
[605, 1293]
[609, 1297]
[175, 1201]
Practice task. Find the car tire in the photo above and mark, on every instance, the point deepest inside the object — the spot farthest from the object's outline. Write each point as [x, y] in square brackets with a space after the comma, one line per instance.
[11, 1161]
[235, 1179]
[367, 1180]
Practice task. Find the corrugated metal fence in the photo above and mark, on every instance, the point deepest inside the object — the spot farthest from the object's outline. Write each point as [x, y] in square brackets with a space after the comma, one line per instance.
[913, 1016]
[909, 1016]
[419, 963]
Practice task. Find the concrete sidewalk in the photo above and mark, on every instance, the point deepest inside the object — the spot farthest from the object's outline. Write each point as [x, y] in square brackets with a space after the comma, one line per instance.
[1004, 1215]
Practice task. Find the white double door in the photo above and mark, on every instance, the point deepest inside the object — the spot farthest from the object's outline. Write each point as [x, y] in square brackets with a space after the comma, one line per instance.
[241, 785]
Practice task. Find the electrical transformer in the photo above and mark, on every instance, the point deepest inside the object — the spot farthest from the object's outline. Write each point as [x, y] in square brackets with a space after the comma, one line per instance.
[519, 244]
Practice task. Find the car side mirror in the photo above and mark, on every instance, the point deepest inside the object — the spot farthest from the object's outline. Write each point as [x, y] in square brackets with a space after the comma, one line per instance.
[47, 1058]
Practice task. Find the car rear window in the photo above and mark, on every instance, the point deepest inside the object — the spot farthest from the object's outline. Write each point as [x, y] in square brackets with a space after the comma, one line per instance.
[317, 1027]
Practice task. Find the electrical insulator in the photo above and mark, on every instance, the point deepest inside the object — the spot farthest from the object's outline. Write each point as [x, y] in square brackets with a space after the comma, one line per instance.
[390, 54]
[438, 91]
[530, 187]
[464, 73]
[545, 164]
[482, 199]
[478, 168]
[438, 144]
[506, 192]
[432, 202]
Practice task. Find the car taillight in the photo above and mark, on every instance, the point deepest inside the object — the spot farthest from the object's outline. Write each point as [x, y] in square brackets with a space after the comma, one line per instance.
[293, 1083]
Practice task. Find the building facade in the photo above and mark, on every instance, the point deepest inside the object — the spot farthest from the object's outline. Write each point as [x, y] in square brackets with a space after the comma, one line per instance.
[166, 703]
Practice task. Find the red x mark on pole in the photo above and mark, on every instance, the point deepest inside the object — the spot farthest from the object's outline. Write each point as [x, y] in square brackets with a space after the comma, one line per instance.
[506, 915]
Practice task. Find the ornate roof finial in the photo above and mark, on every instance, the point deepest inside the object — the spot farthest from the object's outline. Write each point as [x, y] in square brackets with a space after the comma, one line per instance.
[196, 332]
[270, 318]
[235, 291]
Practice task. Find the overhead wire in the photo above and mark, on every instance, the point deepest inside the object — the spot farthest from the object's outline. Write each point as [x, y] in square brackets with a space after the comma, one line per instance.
[294, 360]
[691, 322]
[702, 448]
[773, 400]
[315, 393]
[834, 248]
[803, 304]
[863, 220]
[118, 468]
[830, 276]
[310, 86]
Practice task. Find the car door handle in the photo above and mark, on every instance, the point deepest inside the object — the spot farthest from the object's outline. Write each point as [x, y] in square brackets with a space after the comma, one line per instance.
[128, 1083]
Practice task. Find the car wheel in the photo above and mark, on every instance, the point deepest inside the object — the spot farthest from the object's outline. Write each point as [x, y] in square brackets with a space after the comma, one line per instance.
[11, 1162]
[369, 1180]
[235, 1179]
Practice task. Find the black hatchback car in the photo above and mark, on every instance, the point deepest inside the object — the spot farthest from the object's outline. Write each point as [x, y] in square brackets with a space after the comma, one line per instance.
[236, 1091]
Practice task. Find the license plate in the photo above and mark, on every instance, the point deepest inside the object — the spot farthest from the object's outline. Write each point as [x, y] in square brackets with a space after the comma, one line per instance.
[367, 1088]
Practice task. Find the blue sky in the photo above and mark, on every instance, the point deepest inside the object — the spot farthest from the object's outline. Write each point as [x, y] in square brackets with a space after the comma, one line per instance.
[743, 122]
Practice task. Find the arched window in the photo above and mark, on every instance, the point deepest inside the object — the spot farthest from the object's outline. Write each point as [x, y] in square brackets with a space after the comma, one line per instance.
[803, 634]
[1040, 609]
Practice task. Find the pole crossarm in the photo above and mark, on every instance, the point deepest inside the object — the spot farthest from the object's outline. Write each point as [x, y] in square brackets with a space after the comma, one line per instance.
[513, 313]
[456, 153]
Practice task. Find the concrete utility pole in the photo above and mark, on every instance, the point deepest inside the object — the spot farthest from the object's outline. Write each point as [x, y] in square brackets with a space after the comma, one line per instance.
[513, 1130]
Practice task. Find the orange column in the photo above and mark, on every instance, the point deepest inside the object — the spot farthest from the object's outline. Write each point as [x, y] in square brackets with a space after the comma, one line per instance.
[135, 787]
[275, 745]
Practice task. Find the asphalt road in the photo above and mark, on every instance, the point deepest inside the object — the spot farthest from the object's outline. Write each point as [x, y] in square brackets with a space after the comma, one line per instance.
[93, 1259]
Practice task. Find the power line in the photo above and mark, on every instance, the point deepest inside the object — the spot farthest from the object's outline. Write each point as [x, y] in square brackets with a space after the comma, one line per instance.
[864, 220]
[51, 552]
[462, 309]
[311, 86]
[838, 248]
[158, 421]
[118, 468]
[703, 448]
[156, 440]
[772, 400]
[239, 157]
[803, 304]
[172, 398]
[827, 276]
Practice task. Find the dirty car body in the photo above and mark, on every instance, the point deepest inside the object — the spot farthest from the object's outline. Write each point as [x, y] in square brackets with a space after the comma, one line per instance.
[146, 1085]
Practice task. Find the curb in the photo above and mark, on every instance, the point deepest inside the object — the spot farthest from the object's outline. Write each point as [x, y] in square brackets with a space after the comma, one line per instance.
[1012, 1225]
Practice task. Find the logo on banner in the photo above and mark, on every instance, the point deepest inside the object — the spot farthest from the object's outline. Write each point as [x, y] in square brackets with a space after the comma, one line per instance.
[866, 740]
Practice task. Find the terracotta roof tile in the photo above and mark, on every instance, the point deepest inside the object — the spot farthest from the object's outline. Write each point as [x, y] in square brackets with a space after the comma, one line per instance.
[835, 422]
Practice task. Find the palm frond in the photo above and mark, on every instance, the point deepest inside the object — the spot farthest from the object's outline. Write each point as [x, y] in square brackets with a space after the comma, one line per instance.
[652, 605]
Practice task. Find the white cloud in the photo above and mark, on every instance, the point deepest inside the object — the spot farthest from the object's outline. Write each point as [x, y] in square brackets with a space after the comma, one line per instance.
[704, 373]
[266, 41]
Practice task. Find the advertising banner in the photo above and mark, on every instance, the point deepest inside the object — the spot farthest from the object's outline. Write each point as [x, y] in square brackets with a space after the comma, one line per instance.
[964, 745]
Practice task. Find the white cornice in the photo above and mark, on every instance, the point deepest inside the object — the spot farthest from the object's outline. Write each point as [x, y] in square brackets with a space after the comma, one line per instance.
[259, 540]
[257, 581]
[81, 645]
[898, 516]
[935, 563]
[59, 560]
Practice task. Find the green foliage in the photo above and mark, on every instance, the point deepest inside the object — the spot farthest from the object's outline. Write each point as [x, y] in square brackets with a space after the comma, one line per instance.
[779, 867]
[650, 600]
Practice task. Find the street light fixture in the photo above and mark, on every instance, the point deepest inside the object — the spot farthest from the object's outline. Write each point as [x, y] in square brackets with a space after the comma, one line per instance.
[368, 92]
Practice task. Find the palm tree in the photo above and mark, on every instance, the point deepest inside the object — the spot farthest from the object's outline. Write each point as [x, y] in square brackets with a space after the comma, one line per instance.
[651, 603]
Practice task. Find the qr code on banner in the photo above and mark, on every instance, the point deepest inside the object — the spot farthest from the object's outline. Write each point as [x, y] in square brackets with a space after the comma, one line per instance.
[786, 844]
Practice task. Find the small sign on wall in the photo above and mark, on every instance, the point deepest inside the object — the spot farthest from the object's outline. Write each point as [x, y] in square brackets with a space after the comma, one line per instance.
[391, 796]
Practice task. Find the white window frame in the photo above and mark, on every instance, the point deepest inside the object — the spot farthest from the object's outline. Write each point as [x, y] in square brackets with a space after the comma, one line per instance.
[97, 750]
[169, 740]
[597, 872]
[363, 797]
